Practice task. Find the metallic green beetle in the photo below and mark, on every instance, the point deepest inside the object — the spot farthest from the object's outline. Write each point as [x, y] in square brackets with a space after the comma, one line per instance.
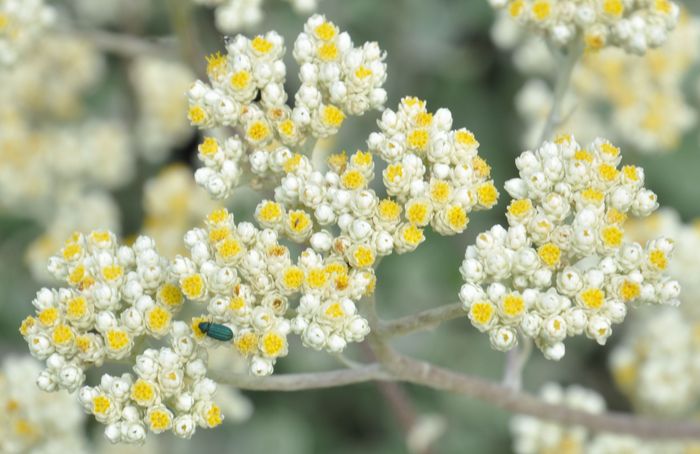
[216, 331]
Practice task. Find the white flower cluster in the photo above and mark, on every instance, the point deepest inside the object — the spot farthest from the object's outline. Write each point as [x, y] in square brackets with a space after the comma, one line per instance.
[535, 436]
[234, 15]
[247, 91]
[248, 282]
[159, 86]
[633, 25]
[32, 420]
[170, 392]
[118, 296]
[21, 23]
[636, 100]
[115, 295]
[563, 266]
[657, 364]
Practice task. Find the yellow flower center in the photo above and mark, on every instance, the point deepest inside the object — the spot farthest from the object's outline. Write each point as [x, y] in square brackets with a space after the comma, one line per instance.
[257, 131]
[440, 191]
[159, 420]
[417, 213]
[353, 179]
[101, 404]
[170, 295]
[487, 194]
[62, 335]
[218, 216]
[464, 137]
[328, 52]
[272, 344]
[192, 286]
[158, 319]
[389, 210]
[418, 139]
[209, 146]
[335, 310]
[214, 417]
[261, 45]
[613, 7]
[117, 339]
[196, 115]
[481, 312]
[299, 221]
[229, 248]
[457, 218]
[216, 65]
[513, 305]
[658, 259]
[293, 277]
[413, 235]
[364, 256]
[325, 31]
[550, 254]
[240, 80]
[48, 316]
[142, 392]
[629, 290]
[612, 236]
[541, 9]
[76, 308]
[270, 212]
[394, 172]
[112, 272]
[316, 278]
[332, 116]
[247, 344]
[593, 298]
[363, 72]
[520, 207]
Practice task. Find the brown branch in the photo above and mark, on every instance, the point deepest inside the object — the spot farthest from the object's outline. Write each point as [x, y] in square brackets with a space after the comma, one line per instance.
[421, 321]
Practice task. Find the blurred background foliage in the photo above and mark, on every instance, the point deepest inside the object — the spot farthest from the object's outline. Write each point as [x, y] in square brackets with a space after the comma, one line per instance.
[440, 51]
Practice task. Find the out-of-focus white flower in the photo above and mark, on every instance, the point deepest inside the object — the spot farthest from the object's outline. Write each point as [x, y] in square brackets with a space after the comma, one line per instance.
[160, 88]
[173, 204]
[633, 26]
[235, 15]
[21, 23]
[536, 436]
[33, 420]
[563, 267]
[640, 99]
[656, 364]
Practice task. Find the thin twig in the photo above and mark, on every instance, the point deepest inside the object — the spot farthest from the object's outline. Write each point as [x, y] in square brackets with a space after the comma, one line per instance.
[312, 380]
[561, 86]
[421, 321]
[128, 45]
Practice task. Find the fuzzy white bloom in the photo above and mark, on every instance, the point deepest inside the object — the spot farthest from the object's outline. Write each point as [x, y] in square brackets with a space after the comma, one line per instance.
[33, 420]
[536, 436]
[160, 86]
[173, 204]
[643, 97]
[235, 15]
[633, 26]
[21, 23]
[563, 267]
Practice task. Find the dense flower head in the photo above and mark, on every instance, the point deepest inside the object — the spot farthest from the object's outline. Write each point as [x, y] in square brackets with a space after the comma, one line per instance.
[169, 392]
[21, 23]
[536, 436]
[32, 420]
[117, 298]
[634, 25]
[563, 266]
[246, 91]
[115, 295]
[249, 282]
